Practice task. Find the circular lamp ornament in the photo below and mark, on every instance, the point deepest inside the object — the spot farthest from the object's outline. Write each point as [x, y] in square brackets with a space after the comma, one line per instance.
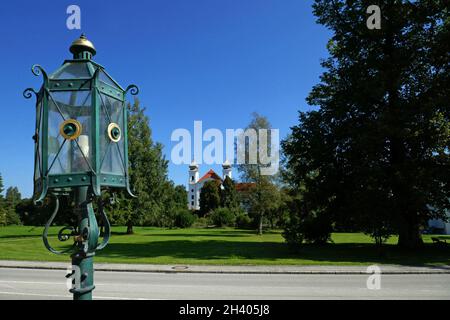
[114, 132]
[70, 129]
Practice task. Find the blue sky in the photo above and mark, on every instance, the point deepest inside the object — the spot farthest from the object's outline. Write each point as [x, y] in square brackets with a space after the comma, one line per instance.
[211, 60]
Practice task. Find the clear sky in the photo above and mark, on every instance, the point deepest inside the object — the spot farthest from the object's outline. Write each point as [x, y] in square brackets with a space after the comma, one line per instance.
[211, 60]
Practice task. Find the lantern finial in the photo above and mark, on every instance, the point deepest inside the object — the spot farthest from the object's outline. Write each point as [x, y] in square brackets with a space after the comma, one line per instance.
[82, 48]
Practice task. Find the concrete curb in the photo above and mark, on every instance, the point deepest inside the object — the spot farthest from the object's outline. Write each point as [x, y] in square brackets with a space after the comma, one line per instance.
[290, 270]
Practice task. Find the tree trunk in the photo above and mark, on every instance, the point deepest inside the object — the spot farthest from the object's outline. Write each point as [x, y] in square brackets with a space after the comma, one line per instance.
[409, 236]
[129, 228]
[260, 225]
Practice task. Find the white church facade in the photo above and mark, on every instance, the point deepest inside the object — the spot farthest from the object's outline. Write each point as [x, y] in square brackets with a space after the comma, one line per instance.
[196, 183]
[440, 225]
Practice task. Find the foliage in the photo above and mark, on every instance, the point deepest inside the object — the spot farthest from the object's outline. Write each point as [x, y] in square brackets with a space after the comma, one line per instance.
[174, 201]
[12, 199]
[228, 195]
[2, 217]
[33, 215]
[263, 196]
[184, 218]
[243, 221]
[201, 222]
[377, 149]
[222, 217]
[209, 197]
[148, 173]
[2, 209]
[314, 229]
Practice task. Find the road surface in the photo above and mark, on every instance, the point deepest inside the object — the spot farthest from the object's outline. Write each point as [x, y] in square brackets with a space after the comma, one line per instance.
[51, 284]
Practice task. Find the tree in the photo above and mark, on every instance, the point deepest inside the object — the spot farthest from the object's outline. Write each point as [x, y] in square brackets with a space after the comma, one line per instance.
[209, 197]
[2, 209]
[263, 196]
[174, 204]
[2, 187]
[378, 147]
[148, 172]
[12, 199]
[228, 195]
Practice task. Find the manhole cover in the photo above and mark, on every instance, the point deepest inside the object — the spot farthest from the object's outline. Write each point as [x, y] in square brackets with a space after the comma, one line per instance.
[180, 267]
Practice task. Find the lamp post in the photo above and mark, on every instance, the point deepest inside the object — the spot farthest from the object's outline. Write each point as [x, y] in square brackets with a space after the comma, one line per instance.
[81, 146]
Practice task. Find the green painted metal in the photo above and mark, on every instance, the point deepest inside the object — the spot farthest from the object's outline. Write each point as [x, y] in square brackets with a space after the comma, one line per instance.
[85, 186]
[96, 132]
[83, 259]
[95, 87]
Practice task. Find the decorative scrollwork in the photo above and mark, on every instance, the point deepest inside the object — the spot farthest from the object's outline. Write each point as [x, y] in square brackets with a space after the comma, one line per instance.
[61, 235]
[37, 70]
[66, 236]
[106, 224]
[28, 93]
[134, 90]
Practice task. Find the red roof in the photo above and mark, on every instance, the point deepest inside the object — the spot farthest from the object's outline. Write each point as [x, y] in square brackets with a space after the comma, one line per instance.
[244, 187]
[210, 174]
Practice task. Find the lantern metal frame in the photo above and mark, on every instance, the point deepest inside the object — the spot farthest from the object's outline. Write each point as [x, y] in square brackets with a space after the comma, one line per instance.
[60, 182]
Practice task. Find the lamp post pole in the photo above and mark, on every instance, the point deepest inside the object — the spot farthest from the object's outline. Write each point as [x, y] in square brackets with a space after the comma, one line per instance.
[83, 258]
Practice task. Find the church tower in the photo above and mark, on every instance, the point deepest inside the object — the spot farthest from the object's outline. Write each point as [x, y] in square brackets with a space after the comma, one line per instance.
[193, 192]
[226, 170]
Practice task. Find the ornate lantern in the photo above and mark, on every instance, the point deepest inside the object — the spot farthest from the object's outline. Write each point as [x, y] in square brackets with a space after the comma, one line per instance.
[80, 145]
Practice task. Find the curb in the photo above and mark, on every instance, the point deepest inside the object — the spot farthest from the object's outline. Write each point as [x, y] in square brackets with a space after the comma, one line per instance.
[198, 269]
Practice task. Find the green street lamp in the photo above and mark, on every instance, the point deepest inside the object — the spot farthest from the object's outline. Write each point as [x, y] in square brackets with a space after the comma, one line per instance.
[81, 145]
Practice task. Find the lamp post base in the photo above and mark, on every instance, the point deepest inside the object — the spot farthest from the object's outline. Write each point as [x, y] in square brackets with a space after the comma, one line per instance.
[83, 259]
[84, 271]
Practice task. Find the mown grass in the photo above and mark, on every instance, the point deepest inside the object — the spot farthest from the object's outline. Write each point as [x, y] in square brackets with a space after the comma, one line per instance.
[222, 247]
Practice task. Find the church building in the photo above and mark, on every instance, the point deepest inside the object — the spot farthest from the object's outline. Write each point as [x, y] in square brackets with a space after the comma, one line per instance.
[195, 183]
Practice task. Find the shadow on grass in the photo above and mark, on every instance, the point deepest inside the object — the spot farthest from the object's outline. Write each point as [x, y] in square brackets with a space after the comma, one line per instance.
[209, 235]
[21, 236]
[206, 232]
[277, 252]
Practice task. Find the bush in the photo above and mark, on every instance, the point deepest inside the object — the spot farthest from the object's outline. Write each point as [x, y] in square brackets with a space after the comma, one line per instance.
[243, 221]
[221, 217]
[201, 222]
[311, 229]
[184, 218]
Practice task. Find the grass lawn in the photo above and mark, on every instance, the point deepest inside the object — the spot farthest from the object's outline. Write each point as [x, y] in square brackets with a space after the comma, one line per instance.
[221, 247]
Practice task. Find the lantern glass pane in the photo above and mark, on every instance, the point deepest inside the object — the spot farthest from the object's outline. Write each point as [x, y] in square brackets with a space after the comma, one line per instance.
[72, 71]
[111, 152]
[64, 155]
[105, 78]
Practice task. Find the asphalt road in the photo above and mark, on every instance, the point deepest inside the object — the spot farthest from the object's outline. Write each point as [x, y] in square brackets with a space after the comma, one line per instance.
[51, 284]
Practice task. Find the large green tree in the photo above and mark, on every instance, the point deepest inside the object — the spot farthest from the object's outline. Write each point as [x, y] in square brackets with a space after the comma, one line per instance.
[228, 194]
[174, 201]
[377, 148]
[12, 199]
[148, 172]
[209, 197]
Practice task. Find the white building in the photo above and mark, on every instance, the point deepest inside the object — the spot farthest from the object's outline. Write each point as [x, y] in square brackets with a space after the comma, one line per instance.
[440, 225]
[195, 184]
